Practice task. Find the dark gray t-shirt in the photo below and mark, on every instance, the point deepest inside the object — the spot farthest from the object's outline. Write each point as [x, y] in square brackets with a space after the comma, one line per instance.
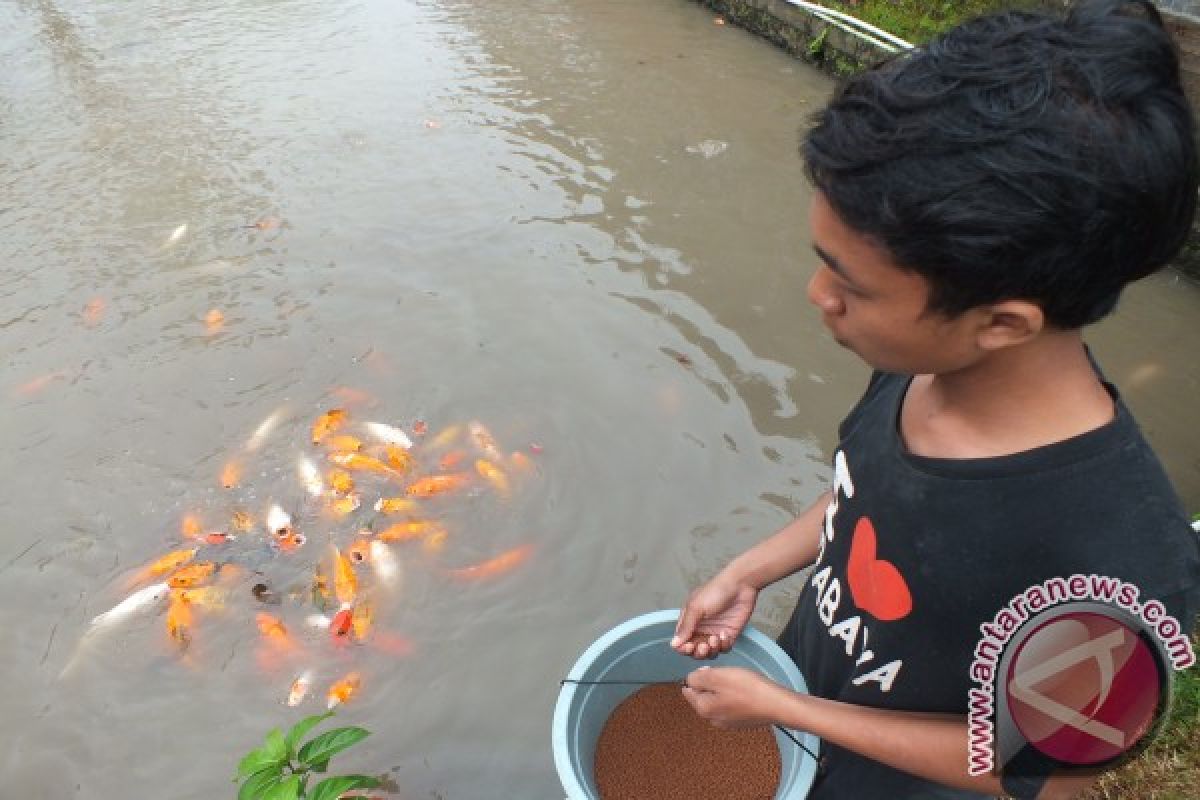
[919, 552]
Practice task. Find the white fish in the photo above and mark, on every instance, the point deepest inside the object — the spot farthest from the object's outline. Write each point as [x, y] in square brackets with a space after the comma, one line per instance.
[261, 433]
[389, 434]
[484, 440]
[310, 476]
[278, 520]
[383, 561]
[140, 600]
[300, 688]
[318, 621]
[176, 235]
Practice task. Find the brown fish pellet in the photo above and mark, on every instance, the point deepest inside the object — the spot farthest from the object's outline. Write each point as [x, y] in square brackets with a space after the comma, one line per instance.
[655, 746]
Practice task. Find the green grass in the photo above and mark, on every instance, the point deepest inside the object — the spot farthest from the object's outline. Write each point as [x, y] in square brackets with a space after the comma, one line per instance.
[918, 21]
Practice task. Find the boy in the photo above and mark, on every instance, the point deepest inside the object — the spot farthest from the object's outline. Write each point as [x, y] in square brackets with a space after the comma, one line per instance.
[978, 202]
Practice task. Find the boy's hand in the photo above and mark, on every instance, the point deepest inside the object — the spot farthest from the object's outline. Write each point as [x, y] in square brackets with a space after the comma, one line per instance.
[732, 697]
[713, 618]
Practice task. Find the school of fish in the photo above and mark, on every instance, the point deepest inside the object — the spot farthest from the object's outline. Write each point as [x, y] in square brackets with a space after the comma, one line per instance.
[371, 493]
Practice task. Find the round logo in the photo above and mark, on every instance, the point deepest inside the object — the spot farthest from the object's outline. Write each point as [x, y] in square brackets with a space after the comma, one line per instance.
[1085, 688]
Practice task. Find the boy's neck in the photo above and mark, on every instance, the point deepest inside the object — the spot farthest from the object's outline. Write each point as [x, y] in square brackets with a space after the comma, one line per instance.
[1014, 400]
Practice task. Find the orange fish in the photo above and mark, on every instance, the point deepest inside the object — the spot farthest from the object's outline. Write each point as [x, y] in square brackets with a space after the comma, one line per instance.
[404, 531]
[344, 444]
[168, 563]
[179, 619]
[290, 541]
[266, 224]
[327, 423]
[493, 474]
[397, 457]
[300, 688]
[341, 506]
[214, 320]
[434, 542]
[272, 629]
[437, 484]
[93, 311]
[206, 596]
[444, 437]
[345, 582]
[341, 624]
[495, 566]
[231, 474]
[341, 481]
[32, 387]
[218, 538]
[452, 459]
[190, 526]
[419, 428]
[360, 620]
[520, 462]
[192, 575]
[359, 550]
[242, 521]
[394, 505]
[361, 462]
[343, 690]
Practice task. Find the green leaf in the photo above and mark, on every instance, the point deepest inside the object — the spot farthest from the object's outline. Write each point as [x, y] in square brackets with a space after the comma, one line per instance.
[320, 766]
[302, 727]
[259, 759]
[332, 788]
[275, 746]
[260, 783]
[287, 790]
[321, 748]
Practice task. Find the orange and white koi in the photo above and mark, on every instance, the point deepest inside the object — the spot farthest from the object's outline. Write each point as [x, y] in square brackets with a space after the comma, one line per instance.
[383, 562]
[138, 601]
[343, 443]
[494, 566]
[231, 474]
[395, 505]
[289, 542]
[438, 484]
[259, 437]
[300, 688]
[389, 435]
[192, 575]
[341, 506]
[279, 522]
[217, 538]
[203, 596]
[361, 462]
[310, 477]
[493, 475]
[319, 621]
[484, 440]
[343, 690]
[327, 423]
[359, 550]
[406, 531]
[341, 482]
[345, 582]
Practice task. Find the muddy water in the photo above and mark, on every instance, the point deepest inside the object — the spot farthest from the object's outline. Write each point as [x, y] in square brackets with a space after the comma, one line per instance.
[578, 222]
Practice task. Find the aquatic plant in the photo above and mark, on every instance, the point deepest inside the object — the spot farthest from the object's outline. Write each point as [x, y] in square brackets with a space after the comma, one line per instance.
[281, 768]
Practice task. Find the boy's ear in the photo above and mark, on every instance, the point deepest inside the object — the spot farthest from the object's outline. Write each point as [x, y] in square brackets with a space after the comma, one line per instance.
[1009, 323]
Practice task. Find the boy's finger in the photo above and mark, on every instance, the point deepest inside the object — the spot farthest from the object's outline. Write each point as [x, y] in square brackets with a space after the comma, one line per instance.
[684, 627]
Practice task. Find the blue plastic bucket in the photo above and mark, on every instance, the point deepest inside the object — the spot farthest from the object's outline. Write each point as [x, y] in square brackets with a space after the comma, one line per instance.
[639, 650]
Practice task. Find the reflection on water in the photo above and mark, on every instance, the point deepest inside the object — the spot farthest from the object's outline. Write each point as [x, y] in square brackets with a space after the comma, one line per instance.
[502, 211]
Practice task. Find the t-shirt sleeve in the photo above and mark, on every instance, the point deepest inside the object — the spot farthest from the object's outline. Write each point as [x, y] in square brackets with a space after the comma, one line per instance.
[874, 389]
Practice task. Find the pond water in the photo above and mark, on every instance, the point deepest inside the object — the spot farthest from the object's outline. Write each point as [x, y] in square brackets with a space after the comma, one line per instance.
[579, 223]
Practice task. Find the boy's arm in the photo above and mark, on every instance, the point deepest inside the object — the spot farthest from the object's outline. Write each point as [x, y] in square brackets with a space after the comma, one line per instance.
[931, 746]
[792, 548]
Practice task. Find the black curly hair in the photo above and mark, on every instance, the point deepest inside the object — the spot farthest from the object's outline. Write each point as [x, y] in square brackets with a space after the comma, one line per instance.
[1020, 155]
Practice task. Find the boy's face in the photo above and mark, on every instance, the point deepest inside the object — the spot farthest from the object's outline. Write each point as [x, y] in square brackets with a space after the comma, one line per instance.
[878, 310]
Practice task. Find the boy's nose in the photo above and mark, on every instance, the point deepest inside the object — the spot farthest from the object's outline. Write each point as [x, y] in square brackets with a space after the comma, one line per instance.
[821, 292]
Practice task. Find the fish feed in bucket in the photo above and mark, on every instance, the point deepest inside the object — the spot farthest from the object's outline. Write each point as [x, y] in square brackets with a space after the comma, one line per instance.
[639, 650]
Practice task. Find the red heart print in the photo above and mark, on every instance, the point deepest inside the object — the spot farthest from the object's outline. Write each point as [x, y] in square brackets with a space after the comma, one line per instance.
[876, 585]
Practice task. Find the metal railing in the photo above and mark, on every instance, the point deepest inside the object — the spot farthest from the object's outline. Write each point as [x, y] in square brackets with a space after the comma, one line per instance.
[855, 27]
